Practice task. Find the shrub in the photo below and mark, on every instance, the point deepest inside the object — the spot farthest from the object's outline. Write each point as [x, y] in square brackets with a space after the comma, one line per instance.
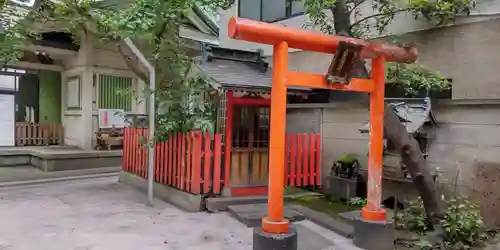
[463, 224]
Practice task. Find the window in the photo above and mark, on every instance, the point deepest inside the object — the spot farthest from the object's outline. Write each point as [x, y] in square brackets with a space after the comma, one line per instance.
[270, 10]
[115, 92]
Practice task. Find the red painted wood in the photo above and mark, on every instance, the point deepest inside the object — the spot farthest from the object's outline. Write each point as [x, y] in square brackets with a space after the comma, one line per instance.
[244, 101]
[188, 153]
[125, 156]
[144, 154]
[164, 163]
[249, 191]
[293, 155]
[175, 148]
[181, 154]
[159, 160]
[305, 157]
[228, 138]
[318, 160]
[300, 152]
[133, 150]
[287, 156]
[139, 153]
[156, 161]
[312, 158]
[196, 163]
[217, 163]
[207, 160]
[170, 172]
[141, 157]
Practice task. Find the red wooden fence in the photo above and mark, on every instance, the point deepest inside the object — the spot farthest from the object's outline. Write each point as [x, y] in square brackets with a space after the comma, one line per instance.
[192, 161]
[303, 154]
[185, 161]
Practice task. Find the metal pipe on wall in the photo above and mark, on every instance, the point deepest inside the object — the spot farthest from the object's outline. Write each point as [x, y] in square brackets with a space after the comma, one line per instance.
[151, 115]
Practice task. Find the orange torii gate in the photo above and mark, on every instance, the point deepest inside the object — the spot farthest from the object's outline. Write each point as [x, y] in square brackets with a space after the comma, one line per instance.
[283, 38]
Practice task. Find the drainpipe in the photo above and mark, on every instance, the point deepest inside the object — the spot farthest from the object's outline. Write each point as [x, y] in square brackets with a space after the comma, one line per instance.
[151, 128]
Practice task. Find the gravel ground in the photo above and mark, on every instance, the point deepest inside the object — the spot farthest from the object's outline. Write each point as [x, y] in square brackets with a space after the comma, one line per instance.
[102, 214]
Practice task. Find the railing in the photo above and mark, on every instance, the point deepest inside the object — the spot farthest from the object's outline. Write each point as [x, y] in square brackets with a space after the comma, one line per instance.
[187, 161]
[33, 134]
[192, 161]
[303, 152]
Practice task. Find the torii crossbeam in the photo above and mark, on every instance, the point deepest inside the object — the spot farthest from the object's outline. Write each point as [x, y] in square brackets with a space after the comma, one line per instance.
[283, 38]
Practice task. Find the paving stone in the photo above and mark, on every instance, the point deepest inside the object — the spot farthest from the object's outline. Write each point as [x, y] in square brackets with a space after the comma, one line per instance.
[336, 225]
[251, 215]
[310, 240]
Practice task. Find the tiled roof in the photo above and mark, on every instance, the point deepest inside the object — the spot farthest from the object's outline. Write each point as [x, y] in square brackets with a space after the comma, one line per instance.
[232, 68]
[237, 74]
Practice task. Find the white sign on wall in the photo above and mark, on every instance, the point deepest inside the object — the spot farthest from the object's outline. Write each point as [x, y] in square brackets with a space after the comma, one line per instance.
[111, 117]
[73, 93]
[7, 120]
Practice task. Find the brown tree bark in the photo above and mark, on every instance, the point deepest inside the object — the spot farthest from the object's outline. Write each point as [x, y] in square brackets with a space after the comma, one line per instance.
[411, 155]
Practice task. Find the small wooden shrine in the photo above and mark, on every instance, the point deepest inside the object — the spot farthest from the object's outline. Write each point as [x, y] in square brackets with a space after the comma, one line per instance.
[244, 78]
[417, 117]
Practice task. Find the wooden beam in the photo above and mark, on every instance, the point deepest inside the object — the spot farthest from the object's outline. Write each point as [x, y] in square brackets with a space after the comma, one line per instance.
[38, 66]
[52, 51]
[273, 34]
[318, 81]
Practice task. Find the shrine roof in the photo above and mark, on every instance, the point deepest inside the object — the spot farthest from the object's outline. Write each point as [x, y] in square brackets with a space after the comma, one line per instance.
[412, 112]
[238, 69]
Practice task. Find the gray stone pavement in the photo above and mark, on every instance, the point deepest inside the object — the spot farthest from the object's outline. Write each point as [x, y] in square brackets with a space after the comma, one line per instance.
[102, 214]
[30, 173]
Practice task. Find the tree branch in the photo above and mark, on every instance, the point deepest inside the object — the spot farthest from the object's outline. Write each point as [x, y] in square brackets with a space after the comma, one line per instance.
[356, 5]
[158, 36]
[129, 60]
[376, 15]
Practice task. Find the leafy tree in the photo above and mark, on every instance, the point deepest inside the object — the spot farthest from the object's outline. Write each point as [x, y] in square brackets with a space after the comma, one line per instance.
[415, 78]
[340, 23]
[384, 11]
[153, 25]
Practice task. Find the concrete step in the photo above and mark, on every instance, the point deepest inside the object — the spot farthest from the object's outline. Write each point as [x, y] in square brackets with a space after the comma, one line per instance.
[217, 204]
[29, 173]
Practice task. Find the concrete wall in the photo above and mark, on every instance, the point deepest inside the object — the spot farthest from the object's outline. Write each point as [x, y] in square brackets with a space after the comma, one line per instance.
[468, 135]
[93, 57]
[78, 122]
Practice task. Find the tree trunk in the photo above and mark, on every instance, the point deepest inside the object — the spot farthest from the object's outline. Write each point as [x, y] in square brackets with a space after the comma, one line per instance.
[411, 155]
[412, 158]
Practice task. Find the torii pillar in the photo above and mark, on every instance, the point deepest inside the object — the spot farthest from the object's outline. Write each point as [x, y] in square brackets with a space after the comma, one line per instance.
[275, 232]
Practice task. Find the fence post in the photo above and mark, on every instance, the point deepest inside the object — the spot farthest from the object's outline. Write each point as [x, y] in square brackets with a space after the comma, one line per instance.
[207, 160]
[318, 159]
[217, 163]
[196, 173]
[312, 156]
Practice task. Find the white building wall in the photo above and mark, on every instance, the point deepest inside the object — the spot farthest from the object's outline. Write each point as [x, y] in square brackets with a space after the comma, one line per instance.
[78, 122]
[93, 58]
[403, 23]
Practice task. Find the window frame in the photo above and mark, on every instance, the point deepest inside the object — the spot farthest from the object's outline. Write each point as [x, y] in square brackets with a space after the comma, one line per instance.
[288, 11]
[98, 92]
